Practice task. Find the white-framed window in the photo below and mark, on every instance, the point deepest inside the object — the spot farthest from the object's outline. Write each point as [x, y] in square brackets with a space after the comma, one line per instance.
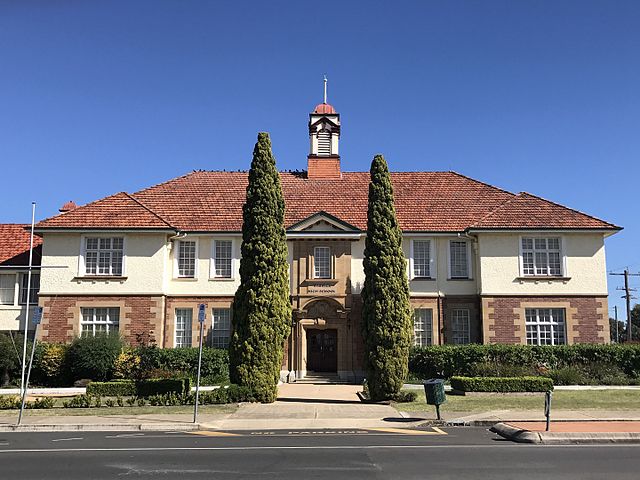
[541, 256]
[459, 264]
[422, 256]
[422, 327]
[95, 320]
[545, 326]
[322, 262]
[103, 256]
[222, 259]
[7, 288]
[35, 288]
[186, 257]
[220, 327]
[184, 321]
[460, 326]
[324, 142]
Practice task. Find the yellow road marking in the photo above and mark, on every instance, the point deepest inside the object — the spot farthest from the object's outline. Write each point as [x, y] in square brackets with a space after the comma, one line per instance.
[208, 433]
[409, 432]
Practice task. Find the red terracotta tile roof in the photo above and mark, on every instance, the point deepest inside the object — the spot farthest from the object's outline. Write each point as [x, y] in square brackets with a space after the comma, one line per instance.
[117, 211]
[525, 211]
[14, 245]
[425, 201]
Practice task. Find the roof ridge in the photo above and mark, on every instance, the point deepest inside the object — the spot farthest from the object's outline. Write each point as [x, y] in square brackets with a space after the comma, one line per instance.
[148, 209]
[81, 206]
[495, 210]
[480, 182]
[569, 208]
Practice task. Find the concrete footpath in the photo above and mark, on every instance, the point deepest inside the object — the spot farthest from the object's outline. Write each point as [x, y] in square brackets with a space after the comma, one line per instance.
[321, 406]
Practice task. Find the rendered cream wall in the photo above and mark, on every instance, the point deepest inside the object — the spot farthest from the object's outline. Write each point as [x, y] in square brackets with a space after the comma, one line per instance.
[500, 266]
[12, 317]
[426, 288]
[144, 266]
[204, 284]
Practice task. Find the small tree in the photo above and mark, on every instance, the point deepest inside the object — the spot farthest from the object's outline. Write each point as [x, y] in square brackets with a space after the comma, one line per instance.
[261, 307]
[94, 357]
[387, 321]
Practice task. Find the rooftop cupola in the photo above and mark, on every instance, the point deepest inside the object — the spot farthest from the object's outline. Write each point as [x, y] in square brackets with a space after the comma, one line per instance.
[324, 136]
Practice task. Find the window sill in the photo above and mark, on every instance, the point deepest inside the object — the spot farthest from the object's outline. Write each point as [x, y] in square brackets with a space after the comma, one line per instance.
[542, 278]
[222, 279]
[185, 279]
[460, 279]
[99, 278]
[428, 279]
[317, 281]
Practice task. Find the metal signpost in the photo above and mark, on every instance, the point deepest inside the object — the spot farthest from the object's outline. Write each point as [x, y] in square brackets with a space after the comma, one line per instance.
[547, 407]
[201, 318]
[37, 318]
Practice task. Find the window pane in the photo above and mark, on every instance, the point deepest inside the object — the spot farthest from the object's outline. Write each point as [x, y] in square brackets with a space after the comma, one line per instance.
[321, 262]
[186, 258]
[541, 256]
[421, 258]
[422, 326]
[104, 256]
[459, 261]
[222, 257]
[35, 288]
[460, 323]
[99, 320]
[545, 326]
[184, 317]
[7, 288]
[221, 327]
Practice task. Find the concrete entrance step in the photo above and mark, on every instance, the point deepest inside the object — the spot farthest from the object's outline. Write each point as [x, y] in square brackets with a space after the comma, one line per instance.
[323, 379]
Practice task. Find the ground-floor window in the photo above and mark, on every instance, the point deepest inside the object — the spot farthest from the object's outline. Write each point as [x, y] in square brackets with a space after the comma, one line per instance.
[545, 326]
[460, 326]
[422, 327]
[184, 319]
[220, 327]
[99, 320]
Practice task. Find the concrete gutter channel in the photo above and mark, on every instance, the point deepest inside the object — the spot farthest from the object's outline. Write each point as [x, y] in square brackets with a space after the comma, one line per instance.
[107, 427]
[519, 435]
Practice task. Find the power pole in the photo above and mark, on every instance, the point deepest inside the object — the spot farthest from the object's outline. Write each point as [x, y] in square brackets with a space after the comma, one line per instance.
[627, 296]
[615, 314]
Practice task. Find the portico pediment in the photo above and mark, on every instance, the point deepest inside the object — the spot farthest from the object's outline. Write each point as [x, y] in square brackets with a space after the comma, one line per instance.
[322, 222]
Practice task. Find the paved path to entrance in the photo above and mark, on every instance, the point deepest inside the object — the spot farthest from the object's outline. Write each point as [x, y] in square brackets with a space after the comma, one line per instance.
[313, 406]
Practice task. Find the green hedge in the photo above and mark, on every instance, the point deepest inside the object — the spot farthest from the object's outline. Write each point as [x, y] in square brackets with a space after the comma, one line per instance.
[501, 384]
[140, 388]
[445, 361]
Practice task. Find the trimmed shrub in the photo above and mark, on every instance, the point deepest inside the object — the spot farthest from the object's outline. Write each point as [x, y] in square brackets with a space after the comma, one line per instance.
[127, 365]
[94, 357]
[40, 403]
[501, 384]
[567, 376]
[49, 365]
[8, 402]
[79, 401]
[10, 357]
[140, 388]
[405, 396]
[445, 361]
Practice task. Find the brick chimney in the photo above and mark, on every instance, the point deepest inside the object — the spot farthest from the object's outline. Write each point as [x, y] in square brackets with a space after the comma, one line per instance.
[323, 167]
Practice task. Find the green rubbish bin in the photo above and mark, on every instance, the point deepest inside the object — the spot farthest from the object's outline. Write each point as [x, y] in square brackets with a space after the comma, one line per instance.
[434, 393]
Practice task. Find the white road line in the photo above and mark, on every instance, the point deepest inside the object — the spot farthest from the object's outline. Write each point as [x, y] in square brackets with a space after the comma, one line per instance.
[67, 439]
[125, 435]
[310, 447]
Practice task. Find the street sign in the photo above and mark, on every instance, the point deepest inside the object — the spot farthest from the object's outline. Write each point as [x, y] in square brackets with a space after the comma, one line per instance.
[37, 315]
[201, 312]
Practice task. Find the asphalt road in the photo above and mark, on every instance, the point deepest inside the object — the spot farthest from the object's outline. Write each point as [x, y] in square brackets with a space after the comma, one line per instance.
[460, 453]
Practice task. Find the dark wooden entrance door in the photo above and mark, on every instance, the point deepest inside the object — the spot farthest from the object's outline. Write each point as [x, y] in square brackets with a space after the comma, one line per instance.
[322, 351]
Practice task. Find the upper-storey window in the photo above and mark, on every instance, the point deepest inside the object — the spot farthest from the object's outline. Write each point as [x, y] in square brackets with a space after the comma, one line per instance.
[541, 256]
[35, 288]
[321, 262]
[459, 259]
[422, 259]
[324, 142]
[186, 258]
[222, 259]
[103, 255]
[7, 288]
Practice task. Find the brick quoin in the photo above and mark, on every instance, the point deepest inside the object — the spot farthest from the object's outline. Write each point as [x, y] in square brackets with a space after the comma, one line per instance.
[588, 322]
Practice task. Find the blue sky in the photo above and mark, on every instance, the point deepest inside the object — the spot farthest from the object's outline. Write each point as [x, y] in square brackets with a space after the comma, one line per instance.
[541, 96]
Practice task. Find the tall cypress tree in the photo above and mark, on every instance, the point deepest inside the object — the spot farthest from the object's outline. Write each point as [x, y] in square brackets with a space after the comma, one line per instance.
[387, 320]
[261, 307]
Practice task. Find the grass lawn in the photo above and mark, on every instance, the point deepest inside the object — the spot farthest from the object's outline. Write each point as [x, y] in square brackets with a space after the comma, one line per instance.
[562, 400]
[58, 410]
